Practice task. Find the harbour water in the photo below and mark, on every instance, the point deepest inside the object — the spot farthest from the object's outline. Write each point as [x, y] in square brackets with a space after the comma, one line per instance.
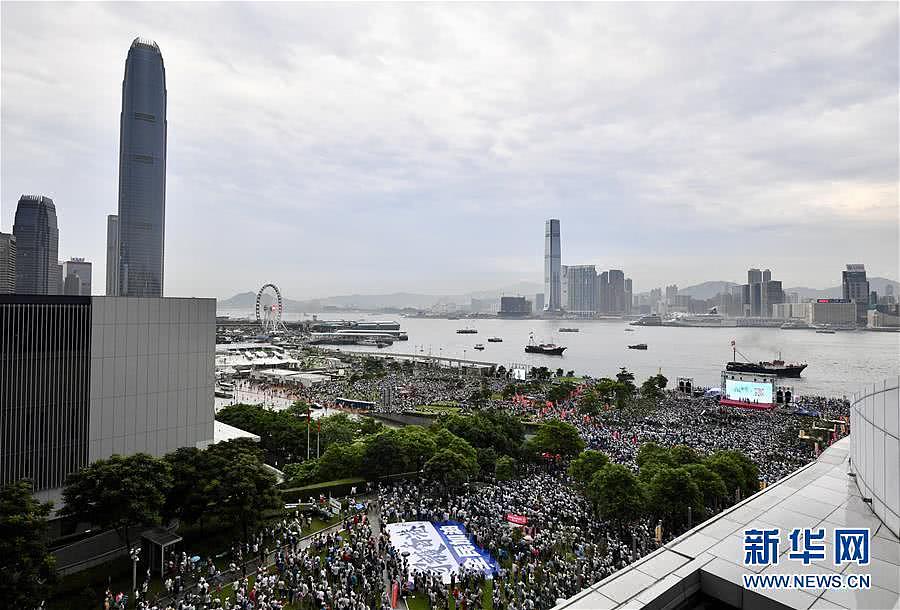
[839, 364]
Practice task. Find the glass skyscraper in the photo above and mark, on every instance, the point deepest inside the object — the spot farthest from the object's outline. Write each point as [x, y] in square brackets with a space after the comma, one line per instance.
[552, 271]
[37, 245]
[142, 172]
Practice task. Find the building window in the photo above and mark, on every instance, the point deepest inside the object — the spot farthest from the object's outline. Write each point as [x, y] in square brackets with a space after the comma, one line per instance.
[142, 116]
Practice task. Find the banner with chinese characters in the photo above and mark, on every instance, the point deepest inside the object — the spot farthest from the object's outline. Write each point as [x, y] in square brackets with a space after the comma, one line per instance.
[467, 555]
[423, 547]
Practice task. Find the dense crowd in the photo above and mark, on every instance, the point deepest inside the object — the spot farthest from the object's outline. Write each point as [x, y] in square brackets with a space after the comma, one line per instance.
[561, 549]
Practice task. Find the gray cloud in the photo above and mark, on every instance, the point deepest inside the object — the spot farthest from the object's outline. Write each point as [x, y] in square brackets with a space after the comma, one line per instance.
[337, 148]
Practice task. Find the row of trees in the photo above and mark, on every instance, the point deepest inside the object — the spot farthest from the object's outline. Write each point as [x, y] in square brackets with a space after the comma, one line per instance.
[283, 434]
[228, 482]
[668, 483]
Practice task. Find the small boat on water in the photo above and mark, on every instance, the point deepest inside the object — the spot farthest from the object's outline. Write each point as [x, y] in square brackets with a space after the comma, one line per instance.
[479, 346]
[547, 349]
[495, 340]
[825, 331]
[567, 329]
[466, 331]
[638, 346]
[629, 330]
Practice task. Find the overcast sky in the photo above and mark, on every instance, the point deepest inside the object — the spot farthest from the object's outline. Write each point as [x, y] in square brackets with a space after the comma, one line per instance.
[374, 148]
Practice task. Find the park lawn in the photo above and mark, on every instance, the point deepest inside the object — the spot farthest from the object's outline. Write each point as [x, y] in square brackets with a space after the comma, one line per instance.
[420, 601]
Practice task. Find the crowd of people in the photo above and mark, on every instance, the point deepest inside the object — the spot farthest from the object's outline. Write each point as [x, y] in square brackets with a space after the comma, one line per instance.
[560, 550]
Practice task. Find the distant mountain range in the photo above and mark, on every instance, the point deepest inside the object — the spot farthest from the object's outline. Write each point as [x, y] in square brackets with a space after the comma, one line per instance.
[708, 290]
[246, 301]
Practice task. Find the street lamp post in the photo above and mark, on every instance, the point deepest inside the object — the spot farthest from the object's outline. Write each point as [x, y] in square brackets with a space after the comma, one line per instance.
[135, 553]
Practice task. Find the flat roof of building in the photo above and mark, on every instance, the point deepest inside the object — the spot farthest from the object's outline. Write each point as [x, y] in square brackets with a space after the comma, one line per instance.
[709, 558]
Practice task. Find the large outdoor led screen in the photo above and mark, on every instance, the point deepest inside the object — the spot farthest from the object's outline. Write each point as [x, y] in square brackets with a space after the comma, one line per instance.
[752, 391]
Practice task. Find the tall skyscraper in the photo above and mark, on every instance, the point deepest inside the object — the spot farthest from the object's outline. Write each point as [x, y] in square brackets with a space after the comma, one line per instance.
[112, 255]
[37, 244]
[563, 287]
[582, 283]
[760, 293]
[629, 295]
[539, 302]
[856, 289]
[616, 291]
[80, 271]
[603, 290]
[7, 263]
[142, 172]
[552, 271]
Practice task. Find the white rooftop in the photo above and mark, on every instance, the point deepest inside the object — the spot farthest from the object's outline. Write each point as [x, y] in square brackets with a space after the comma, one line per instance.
[709, 558]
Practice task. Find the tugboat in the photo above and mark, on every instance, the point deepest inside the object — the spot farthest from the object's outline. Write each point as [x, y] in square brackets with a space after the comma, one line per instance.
[774, 367]
[466, 331]
[568, 330]
[547, 349]
[495, 340]
[479, 346]
[638, 346]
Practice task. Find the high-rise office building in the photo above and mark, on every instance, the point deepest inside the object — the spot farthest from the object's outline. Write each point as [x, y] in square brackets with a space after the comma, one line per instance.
[671, 293]
[856, 288]
[563, 287]
[582, 292]
[761, 293]
[616, 291]
[80, 270]
[37, 243]
[629, 295]
[7, 263]
[539, 302]
[142, 172]
[112, 255]
[552, 264]
[603, 292]
[86, 377]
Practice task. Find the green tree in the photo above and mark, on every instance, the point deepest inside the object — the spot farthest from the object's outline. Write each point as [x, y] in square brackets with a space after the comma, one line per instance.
[505, 469]
[670, 492]
[509, 390]
[559, 372]
[736, 470]
[590, 403]
[650, 391]
[340, 461]
[119, 493]
[487, 459]
[559, 392]
[303, 473]
[26, 568]
[186, 499]
[557, 437]
[682, 455]
[243, 490]
[712, 487]
[653, 452]
[450, 467]
[583, 468]
[615, 492]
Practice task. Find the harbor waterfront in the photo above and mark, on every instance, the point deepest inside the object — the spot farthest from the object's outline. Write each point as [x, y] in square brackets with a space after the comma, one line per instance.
[839, 364]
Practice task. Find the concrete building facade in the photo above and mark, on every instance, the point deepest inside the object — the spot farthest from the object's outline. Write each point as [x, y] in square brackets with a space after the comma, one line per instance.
[80, 272]
[856, 288]
[82, 378]
[583, 291]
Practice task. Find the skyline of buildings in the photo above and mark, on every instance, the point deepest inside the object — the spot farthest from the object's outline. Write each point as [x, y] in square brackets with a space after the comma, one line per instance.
[552, 264]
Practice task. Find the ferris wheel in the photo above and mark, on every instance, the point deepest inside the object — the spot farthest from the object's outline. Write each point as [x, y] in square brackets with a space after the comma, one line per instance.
[268, 316]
